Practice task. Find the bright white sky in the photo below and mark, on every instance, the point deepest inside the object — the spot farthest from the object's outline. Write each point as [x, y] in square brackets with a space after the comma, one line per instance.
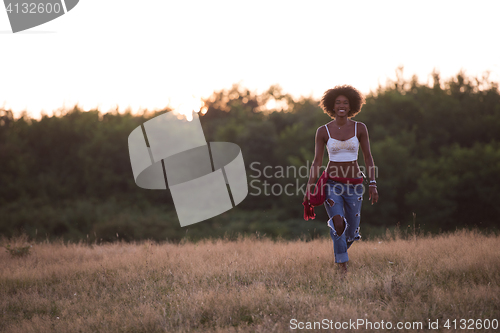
[147, 54]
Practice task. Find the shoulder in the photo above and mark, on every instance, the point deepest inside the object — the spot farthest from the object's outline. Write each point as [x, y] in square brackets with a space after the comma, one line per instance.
[361, 127]
[322, 129]
[321, 132]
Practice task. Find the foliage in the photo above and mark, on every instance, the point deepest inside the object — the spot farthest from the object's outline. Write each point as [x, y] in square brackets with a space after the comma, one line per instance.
[18, 247]
[18, 251]
[435, 147]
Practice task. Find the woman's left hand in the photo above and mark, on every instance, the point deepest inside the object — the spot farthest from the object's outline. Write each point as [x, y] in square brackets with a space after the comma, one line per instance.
[373, 194]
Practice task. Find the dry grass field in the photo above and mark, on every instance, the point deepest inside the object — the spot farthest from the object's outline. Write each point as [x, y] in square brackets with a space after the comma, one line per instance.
[252, 285]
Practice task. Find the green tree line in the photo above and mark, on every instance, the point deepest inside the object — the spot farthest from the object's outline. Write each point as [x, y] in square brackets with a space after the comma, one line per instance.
[435, 146]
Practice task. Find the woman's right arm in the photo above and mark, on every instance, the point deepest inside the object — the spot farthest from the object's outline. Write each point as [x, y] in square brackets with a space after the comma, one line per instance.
[319, 148]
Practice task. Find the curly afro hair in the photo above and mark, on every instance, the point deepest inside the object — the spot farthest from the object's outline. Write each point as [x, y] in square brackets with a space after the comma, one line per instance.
[356, 100]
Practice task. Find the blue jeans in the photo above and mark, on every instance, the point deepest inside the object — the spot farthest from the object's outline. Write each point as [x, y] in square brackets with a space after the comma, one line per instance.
[347, 199]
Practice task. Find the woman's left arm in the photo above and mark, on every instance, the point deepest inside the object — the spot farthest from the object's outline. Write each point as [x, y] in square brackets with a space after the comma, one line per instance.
[364, 142]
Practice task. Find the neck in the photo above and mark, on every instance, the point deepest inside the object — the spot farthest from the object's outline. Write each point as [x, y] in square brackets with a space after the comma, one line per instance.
[341, 121]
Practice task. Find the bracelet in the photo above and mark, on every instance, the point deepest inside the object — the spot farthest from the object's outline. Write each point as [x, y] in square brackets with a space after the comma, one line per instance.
[374, 185]
[373, 182]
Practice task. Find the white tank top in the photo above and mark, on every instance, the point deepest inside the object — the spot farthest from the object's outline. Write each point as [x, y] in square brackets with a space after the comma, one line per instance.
[343, 151]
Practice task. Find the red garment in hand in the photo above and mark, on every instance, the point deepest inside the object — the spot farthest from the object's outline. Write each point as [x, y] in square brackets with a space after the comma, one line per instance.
[319, 196]
[316, 198]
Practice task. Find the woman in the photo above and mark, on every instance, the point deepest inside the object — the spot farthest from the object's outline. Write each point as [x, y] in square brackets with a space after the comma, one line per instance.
[344, 182]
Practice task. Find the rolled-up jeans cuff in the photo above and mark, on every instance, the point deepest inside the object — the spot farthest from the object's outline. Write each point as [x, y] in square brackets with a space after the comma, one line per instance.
[341, 258]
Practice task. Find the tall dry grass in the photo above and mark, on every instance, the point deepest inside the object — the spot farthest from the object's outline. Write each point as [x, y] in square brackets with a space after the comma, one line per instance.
[251, 284]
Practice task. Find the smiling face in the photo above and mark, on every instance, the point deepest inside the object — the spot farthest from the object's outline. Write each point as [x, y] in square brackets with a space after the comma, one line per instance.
[341, 107]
